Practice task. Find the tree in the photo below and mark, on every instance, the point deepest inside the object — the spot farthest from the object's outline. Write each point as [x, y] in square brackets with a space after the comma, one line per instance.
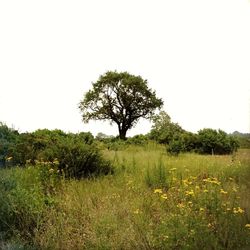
[120, 98]
[163, 129]
[211, 141]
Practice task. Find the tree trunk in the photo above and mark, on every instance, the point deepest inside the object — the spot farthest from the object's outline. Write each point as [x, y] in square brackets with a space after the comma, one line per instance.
[122, 133]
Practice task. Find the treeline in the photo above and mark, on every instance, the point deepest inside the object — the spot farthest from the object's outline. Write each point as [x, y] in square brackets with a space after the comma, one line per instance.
[244, 139]
[78, 155]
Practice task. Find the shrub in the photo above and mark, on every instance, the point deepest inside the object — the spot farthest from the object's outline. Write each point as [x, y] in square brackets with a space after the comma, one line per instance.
[79, 160]
[211, 141]
[137, 140]
[8, 137]
[175, 146]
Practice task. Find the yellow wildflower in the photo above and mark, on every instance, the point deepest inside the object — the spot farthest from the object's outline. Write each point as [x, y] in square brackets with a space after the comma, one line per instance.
[247, 226]
[223, 191]
[202, 209]
[205, 191]
[238, 210]
[158, 191]
[164, 196]
[172, 169]
[136, 211]
[190, 193]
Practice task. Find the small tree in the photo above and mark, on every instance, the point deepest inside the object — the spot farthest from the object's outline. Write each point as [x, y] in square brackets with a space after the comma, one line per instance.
[211, 141]
[120, 98]
[163, 129]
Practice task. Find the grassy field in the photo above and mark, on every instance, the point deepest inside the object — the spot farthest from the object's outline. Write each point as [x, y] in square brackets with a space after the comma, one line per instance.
[153, 201]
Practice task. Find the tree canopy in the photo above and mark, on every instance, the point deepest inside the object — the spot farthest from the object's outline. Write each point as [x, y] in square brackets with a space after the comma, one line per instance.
[120, 98]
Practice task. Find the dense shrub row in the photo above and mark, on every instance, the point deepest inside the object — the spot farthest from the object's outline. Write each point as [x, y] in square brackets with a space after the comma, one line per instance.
[206, 141]
[75, 154]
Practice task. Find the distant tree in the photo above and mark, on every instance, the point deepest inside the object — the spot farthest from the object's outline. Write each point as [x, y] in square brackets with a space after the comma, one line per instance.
[211, 141]
[163, 129]
[120, 98]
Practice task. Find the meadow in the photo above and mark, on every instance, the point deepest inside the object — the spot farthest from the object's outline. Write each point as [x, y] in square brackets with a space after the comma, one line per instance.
[151, 201]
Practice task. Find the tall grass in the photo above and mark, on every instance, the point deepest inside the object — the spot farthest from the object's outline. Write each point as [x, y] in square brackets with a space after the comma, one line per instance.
[152, 201]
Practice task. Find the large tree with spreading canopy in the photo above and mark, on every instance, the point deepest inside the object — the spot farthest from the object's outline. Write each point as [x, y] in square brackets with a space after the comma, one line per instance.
[120, 98]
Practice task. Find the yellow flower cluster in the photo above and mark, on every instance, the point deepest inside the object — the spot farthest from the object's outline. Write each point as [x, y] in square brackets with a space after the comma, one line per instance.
[212, 180]
[164, 196]
[158, 191]
[190, 193]
[238, 210]
[222, 191]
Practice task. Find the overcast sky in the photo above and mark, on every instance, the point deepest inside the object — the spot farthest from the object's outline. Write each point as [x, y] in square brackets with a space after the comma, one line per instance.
[194, 53]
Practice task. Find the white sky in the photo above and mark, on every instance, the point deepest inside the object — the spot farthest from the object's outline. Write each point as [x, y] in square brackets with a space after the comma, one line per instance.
[194, 53]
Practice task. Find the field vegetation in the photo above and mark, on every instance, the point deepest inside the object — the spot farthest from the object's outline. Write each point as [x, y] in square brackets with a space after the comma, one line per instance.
[151, 200]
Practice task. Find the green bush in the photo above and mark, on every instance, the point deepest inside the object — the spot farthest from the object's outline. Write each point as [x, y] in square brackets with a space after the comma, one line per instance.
[22, 202]
[175, 147]
[137, 140]
[211, 141]
[8, 137]
[79, 160]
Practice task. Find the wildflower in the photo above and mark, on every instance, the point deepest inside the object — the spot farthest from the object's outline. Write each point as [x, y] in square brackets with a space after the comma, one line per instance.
[51, 170]
[197, 187]
[172, 169]
[56, 161]
[228, 209]
[223, 191]
[9, 158]
[230, 178]
[164, 196]
[190, 193]
[186, 182]
[235, 189]
[238, 210]
[205, 191]
[202, 209]
[136, 211]
[212, 180]
[247, 226]
[190, 203]
[158, 191]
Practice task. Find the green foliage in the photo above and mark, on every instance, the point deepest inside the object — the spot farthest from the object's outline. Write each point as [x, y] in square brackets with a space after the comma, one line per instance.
[157, 176]
[243, 139]
[22, 202]
[200, 202]
[163, 130]
[8, 138]
[76, 154]
[120, 98]
[176, 146]
[138, 140]
[79, 160]
[216, 142]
